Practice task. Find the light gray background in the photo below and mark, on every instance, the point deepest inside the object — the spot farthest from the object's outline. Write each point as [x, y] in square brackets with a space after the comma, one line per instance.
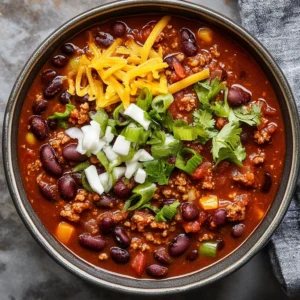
[26, 271]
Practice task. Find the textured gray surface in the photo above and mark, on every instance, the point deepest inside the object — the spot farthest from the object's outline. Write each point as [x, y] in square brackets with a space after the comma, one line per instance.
[26, 272]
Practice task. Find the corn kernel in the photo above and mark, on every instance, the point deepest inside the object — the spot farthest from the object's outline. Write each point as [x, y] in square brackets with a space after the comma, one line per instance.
[205, 34]
[30, 139]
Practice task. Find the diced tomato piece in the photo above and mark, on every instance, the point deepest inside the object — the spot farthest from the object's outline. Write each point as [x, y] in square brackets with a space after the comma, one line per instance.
[193, 226]
[139, 263]
[179, 69]
[201, 170]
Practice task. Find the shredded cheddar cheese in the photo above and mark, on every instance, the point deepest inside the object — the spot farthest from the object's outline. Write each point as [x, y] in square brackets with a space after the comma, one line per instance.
[121, 71]
[180, 85]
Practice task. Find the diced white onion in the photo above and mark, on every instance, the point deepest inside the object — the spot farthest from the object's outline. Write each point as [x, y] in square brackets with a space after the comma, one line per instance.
[108, 137]
[100, 144]
[121, 146]
[169, 139]
[79, 147]
[96, 127]
[137, 114]
[140, 176]
[110, 154]
[106, 181]
[74, 133]
[90, 137]
[142, 155]
[131, 168]
[118, 172]
[93, 179]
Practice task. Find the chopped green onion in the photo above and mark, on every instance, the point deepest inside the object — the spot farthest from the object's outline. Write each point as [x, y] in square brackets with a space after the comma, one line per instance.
[116, 116]
[157, 137]
[81, 167]
[167, 213]
[162, 102]
[209, 249]
[142, 194]
[112, 123]
[190, 165]
[63, 115]
[144, 99]
[135, 134]
[153, 208]
[103, 160]
[100, 117]
[85, 183]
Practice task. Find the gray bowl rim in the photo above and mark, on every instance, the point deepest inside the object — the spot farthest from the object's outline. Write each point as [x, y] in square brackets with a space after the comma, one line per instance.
[119, 282]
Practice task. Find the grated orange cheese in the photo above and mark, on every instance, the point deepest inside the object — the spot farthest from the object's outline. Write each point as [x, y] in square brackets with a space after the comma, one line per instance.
[121, 71]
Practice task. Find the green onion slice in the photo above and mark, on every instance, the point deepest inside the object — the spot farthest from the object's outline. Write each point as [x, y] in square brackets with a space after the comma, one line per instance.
[162, 102]
[190, 165]
[85, 183]
[103, 160]
[135, 134]
[100, 117]
[144, 99]
[116, 114]
[63, 115]
[142, 194]
[209, 249]
[81, 167]
[167, 213]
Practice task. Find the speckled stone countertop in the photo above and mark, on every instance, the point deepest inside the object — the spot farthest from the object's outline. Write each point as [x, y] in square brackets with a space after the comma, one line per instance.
[26, 271]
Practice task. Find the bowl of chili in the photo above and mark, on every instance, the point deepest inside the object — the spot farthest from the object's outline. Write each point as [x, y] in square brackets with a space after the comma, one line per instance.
[153, 152]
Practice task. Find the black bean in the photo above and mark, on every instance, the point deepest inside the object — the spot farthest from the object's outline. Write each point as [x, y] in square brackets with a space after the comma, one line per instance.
[49, 161]
[52, 124]
[189, 211]
[77, 178]
[119, 255]
[237, 95]
[96, 243]
[157, 271]
[60, 61]
[193, 255]
[187, 35]
[221, 244]
[39, 106]
[267, 183]
[67, 187]
[65, 97]
[105, 201]
[179, 245]
[238, 230]
[39, 127]
[68, 49]
[121, 189]
[189, 48]
[106, 225]
[48, 76]
[55, 86]
[81, 100]
[121, 237]
[162, 256]
[218, 218]
[104, 39]
[48, 191]
[118, 29]
[70, 153]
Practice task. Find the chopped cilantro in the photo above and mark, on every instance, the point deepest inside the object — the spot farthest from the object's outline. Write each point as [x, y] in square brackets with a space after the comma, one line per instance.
[250, 116]
[158, 171]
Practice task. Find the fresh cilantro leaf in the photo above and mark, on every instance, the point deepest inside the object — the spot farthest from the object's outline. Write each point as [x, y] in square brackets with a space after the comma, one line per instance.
[226, 145]
[158, 137]
[158, 171]
[167, 213]
[250, 116]
[204, 120]
[170, 147]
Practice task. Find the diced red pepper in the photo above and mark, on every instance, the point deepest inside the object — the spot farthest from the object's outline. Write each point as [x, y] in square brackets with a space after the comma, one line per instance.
[179, 69]
[139, 263]
[201, 170]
